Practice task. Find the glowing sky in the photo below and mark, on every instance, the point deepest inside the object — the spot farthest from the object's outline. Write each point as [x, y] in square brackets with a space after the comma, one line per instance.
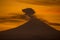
[50, 13]
[41, 2]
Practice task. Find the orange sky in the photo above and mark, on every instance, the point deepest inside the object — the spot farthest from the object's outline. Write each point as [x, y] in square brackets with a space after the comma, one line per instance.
[48, 13]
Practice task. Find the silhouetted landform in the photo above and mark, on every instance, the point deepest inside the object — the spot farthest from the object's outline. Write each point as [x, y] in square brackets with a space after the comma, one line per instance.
[55, 24]
[42, 2]
[34, 29]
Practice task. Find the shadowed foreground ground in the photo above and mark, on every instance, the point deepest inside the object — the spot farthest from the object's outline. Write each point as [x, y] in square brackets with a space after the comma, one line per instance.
[34, 29]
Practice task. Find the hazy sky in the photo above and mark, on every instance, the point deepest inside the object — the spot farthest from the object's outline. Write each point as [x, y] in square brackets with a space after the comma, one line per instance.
[42, 2]
[8, 7]
[50, 13]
